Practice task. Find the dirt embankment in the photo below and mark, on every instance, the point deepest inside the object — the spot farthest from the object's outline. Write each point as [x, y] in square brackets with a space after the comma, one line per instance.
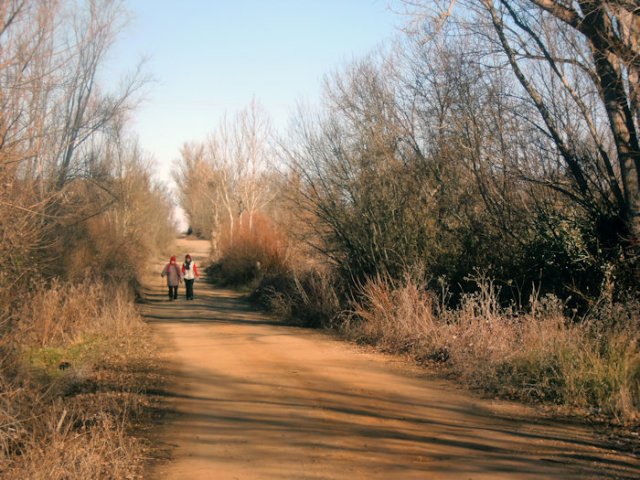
[250, 398]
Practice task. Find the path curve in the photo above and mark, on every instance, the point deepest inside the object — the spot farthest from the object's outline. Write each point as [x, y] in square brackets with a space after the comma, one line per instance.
[250, 398]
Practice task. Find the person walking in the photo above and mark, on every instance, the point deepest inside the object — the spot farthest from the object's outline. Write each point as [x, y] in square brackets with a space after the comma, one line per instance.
[174, 277]
[189, 273]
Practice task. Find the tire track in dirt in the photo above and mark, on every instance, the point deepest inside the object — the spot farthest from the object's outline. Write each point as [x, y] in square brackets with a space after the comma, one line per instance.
[250, 398]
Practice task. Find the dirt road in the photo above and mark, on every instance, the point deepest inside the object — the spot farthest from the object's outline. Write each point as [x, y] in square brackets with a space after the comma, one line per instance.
[250, 398]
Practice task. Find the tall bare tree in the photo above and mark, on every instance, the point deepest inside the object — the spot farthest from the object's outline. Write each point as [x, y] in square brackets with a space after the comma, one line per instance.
[84, 109]
[53, 114]
[578, 64]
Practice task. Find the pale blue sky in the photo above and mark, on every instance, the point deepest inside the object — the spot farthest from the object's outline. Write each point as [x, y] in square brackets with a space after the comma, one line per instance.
[212, 56]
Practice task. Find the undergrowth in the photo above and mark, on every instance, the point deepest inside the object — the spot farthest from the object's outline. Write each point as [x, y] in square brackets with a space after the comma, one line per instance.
[590, 364]
[74, 371]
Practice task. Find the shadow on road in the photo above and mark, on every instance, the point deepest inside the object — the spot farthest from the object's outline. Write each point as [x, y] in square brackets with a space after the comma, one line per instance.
[275, 401]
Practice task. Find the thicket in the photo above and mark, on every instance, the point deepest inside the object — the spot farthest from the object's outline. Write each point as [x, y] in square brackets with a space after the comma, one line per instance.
[500, 143]
[79, 216]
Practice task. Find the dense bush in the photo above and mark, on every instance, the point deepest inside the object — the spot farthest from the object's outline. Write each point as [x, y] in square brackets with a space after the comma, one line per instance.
[310, 298]
[247, 252]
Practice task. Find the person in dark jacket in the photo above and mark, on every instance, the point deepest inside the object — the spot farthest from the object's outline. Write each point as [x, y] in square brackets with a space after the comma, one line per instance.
[189, 273]
[174, 277]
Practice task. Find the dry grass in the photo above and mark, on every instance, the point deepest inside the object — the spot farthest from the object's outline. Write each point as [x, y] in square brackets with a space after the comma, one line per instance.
[59, 446]
[540, 355]
[396, 319]
[74, 375]
[66, 312]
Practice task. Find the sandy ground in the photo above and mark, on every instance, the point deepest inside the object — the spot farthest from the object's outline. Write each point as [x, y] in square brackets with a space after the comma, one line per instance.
[250, 398]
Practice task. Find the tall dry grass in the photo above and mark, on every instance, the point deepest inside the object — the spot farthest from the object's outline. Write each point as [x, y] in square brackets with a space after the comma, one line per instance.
[65, 312]
[539, 355]
[74, 371]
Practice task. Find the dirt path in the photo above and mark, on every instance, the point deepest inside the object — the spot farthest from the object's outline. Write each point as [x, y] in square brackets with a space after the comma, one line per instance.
[252, 399]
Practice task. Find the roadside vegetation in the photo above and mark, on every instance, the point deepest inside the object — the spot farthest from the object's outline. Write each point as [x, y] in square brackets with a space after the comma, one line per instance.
[469, 195]
[79, 216]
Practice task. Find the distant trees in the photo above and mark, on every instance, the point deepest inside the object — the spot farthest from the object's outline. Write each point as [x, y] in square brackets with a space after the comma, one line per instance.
[193, 177]
[224, 181]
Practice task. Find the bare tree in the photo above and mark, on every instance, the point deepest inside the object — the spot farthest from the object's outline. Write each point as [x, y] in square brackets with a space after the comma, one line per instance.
[225, 179]
[84, 109]
[578, 64]
[360, 172]
[253, 159]
[53, 116]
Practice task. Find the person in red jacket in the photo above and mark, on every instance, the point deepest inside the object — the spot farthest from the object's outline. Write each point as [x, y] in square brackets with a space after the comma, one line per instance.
[189, 273]
[174, 277]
